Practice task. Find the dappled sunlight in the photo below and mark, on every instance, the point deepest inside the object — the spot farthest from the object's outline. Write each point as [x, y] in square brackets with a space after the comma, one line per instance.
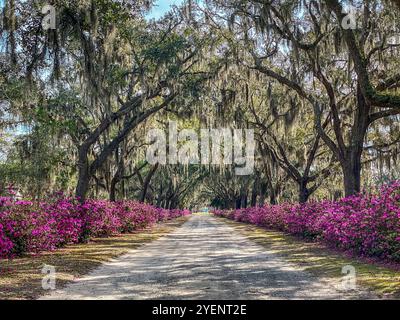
[21, 277]
[320, 260]
[204, 259]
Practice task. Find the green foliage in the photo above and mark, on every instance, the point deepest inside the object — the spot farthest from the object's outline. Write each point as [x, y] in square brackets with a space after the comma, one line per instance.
[105, 66]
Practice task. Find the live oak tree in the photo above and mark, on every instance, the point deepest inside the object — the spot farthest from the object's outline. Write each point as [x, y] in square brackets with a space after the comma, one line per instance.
[286, 138]
[318, 84]
[368, 51]
[118, 69]
[304, 46]
[165, 64]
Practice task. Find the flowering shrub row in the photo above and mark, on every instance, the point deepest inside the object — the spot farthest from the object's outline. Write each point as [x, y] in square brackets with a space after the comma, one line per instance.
[368, 224]
[27, 226]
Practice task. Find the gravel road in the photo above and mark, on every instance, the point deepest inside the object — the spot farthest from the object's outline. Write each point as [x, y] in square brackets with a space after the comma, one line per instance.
[203, 259]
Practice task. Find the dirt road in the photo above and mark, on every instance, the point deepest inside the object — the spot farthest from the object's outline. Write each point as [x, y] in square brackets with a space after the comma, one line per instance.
[204, 259]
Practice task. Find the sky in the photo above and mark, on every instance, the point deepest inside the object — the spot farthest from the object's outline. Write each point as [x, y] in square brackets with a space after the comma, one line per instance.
[161, 7]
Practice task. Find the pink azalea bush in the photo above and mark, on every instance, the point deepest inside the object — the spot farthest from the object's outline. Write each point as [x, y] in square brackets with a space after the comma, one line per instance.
[6, 244]
[33, 227]
[100, 218]
[137, 216]
[367, 224]
[163, 214]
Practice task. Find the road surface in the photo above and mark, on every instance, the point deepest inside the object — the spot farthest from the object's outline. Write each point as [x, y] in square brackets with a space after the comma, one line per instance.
[205, 258]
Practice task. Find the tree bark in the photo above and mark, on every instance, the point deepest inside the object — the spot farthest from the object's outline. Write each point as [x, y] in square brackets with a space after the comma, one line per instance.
[272, 193]
[351, 180]
[83, 174]
[238, 202]
[304, 193]
[352, 165]
[243, 201]
[263, 193]
[147, 182]
[254, 192]
[113, 189]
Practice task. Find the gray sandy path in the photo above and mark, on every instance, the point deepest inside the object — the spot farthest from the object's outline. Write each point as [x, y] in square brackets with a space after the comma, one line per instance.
[203, 259]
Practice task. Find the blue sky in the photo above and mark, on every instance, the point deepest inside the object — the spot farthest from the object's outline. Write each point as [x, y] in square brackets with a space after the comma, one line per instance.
[161, 7]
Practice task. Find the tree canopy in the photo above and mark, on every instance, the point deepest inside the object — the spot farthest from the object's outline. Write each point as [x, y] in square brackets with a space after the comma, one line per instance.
[317, 81]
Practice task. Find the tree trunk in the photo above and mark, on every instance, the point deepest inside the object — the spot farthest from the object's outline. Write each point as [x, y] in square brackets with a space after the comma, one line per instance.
[82, 186]
[352, 164]
[113, 189]
[159, 197]
[243, 202]
[254, 193]
[263, 193]
[352, 173]
[304, 193]
[83, 175]
[253, 199]
[147, 182]
[272, 198]
[261, 200]
[238, 202]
